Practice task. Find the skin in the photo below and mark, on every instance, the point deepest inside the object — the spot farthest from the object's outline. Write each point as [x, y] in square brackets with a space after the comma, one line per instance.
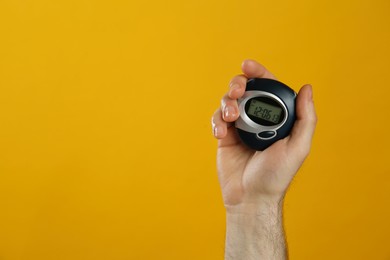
[254, 183]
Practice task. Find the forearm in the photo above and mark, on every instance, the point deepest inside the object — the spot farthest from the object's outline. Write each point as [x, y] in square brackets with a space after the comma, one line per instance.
[255, 232]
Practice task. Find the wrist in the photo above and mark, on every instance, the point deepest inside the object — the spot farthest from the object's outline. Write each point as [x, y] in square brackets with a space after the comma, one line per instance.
[258, 207]
[255, 231]
[266, 213]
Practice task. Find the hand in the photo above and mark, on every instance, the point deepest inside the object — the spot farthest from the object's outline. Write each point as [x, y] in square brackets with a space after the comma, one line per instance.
[249, 177]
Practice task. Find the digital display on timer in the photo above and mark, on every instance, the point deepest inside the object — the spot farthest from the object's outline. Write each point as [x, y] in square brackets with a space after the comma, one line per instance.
[264, 111]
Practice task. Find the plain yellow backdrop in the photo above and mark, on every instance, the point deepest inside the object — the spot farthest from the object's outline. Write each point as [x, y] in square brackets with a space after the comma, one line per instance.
[106, 149]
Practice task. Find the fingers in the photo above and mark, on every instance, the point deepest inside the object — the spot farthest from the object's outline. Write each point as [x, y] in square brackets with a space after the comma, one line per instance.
[219, 125]
[229, 109]
[224, 117]
[223, 131]
[237, 87]
[229, 106]
[303, 130]
[253, 69]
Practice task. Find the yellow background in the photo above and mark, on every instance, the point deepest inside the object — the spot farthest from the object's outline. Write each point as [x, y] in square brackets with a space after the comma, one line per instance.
[106, 149]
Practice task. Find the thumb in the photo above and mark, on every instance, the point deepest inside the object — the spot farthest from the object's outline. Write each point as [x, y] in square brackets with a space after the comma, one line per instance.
[303, 130]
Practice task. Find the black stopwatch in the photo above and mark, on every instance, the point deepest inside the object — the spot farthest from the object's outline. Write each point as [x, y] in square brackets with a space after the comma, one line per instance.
[267, 113]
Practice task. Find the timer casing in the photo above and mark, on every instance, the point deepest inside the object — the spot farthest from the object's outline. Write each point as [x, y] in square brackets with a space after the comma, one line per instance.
[267, 113]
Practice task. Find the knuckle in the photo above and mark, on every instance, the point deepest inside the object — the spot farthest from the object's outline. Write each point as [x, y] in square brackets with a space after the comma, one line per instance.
[238, 79]
[313, 119]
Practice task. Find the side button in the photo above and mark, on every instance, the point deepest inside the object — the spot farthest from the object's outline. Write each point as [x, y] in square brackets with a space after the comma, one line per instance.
[267, 135]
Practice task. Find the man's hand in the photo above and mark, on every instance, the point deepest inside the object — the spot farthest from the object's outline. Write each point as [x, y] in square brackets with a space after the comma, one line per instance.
[254, 183]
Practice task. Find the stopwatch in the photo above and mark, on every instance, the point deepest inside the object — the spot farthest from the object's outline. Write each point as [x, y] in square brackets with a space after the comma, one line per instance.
[267, 113]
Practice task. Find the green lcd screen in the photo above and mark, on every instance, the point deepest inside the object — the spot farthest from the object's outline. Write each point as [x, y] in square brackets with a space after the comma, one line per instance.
[264, 111]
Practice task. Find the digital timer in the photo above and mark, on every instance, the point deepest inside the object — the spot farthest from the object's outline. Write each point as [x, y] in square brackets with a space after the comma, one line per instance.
[267, 113]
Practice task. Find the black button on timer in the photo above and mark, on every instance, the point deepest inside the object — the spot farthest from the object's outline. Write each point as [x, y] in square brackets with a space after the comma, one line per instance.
[267, 134]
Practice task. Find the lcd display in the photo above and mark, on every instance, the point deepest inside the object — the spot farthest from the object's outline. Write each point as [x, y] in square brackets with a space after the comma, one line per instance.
[264, 111]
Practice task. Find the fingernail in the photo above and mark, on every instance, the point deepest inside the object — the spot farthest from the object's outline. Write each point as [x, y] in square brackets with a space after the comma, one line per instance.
[217, 131]
[230, 112]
